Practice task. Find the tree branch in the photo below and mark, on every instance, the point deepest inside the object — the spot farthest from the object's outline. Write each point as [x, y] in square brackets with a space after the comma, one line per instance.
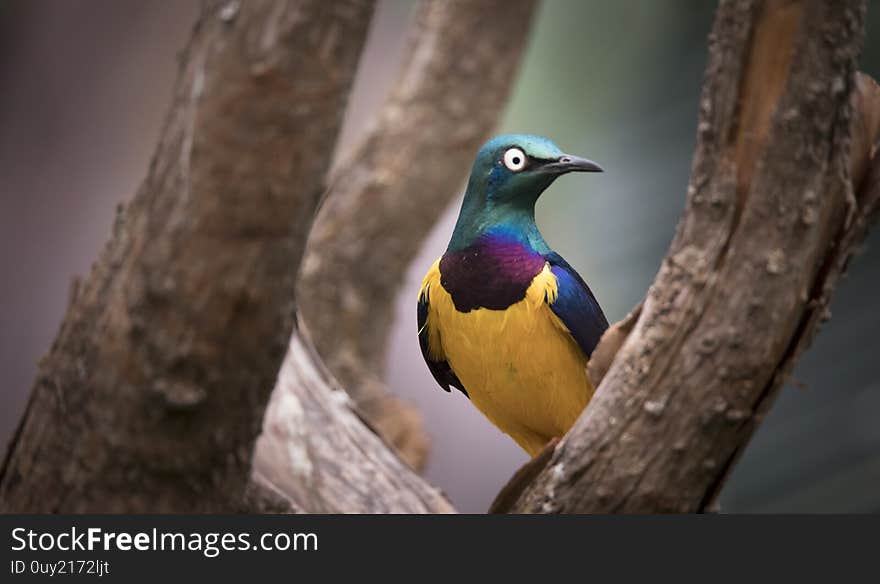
[462, 58]
[316, 451]
[771, 220]
[152, 396]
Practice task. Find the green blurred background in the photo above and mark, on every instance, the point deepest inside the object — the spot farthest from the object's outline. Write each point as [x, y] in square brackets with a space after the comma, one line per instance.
[84, 85]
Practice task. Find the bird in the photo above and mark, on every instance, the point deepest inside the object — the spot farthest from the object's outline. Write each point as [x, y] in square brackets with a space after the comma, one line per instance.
[501, 316]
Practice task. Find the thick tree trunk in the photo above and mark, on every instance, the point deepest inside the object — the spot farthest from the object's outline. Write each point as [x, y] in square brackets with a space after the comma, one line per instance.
[153, 394]
[462, 58]
[770, 223]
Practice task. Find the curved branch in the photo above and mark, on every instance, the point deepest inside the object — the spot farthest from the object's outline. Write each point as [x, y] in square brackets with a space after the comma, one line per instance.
[462, 58]
[323, 459]
[152, 396]
[771, 219]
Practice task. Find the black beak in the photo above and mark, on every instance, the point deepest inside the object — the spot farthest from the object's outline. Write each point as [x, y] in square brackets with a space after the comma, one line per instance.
[568, 163]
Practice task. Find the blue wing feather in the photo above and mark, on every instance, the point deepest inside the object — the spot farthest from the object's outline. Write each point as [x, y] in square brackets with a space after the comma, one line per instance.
[441, 370]
[576, 306]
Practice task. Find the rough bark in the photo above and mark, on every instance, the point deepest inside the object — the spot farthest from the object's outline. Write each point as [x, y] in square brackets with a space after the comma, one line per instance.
[153, 393]
[462, 58]
[771, 220]
[322, 458]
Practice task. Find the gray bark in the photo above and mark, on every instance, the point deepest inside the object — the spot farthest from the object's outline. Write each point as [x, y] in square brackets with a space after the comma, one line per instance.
[322, 458]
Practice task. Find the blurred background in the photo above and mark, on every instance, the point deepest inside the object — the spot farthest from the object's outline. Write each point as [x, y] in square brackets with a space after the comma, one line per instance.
[84, 86]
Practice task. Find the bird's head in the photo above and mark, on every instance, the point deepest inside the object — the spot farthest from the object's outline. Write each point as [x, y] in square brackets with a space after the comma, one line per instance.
[509, 174]
[515, 169]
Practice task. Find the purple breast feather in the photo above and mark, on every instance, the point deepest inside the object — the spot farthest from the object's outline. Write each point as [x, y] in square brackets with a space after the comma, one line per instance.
[493, 272]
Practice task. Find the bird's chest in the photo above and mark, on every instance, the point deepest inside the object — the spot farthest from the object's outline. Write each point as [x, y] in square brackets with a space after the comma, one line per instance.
[492, 313]
[517, 362]
[491, 274]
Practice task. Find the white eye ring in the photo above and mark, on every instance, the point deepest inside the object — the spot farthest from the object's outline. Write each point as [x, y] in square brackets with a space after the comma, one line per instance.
[514, 159]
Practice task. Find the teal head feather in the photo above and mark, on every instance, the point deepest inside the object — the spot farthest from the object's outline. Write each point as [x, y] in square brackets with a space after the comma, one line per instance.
[509, 174]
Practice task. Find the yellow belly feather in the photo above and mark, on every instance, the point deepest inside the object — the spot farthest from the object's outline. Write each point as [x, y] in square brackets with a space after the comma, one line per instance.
[520, 366]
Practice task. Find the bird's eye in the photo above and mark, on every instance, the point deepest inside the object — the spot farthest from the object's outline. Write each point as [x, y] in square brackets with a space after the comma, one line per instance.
[514, 159]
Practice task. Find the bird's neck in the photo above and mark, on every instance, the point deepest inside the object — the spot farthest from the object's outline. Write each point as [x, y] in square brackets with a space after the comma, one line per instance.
[507, 222]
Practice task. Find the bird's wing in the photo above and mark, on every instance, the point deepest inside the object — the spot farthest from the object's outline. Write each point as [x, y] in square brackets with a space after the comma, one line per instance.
[429, 338]
[575, 305]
